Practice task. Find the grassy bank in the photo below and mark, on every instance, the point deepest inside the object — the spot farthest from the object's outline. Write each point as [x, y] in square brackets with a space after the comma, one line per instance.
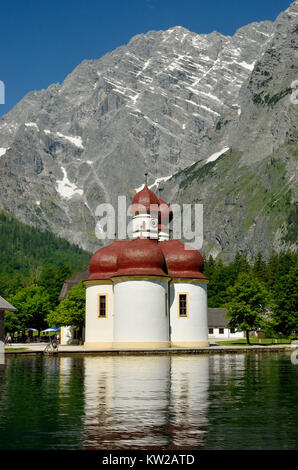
[255, 342]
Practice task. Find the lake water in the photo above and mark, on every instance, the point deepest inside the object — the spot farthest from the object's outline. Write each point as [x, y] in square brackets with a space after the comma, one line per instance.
[218, 401]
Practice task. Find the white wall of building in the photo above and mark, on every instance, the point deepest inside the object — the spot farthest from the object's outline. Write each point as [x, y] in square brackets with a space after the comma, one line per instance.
[66, 334]
[72, 334]
[99, 330]
[226, 334]
[190, 331]
[140, 319]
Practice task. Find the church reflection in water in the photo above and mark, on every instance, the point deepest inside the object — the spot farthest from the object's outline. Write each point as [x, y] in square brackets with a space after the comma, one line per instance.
[146, 402]
[149, 401]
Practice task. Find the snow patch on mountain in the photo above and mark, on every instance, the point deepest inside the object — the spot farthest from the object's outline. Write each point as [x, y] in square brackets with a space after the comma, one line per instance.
[32, 124]
[75, 140]
[156, 183]
[216, 155]
[3, 151]
[65, 188]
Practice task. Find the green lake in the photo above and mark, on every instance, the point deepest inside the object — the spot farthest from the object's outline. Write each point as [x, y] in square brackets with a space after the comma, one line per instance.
[220, 401]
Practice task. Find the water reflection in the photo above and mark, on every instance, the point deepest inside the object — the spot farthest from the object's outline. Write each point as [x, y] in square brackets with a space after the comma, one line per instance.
[222, 401]
[146, 402]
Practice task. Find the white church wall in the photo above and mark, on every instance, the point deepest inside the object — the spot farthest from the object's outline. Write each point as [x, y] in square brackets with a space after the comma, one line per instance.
[192, 330]
[99, 330]
[140, 316]
[145, 225]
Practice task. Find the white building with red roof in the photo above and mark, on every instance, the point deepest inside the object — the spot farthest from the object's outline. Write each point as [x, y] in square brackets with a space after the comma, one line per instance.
[148, 292]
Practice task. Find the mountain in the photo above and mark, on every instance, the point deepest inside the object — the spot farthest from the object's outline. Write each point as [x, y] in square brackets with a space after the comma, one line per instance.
[249, 185]
[208, 115]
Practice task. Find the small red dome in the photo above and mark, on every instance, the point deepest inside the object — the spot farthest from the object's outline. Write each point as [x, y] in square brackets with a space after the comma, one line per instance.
[144, 200]
[141, 256]
[165, 213]
[103, 263]
[182, 262]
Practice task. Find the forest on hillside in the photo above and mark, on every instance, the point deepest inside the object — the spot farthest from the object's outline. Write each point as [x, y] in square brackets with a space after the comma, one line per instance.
[272, 273]
[27, 254]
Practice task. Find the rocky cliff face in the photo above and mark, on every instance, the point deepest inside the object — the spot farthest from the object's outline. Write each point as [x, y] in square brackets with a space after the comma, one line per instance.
[249, 187]
[169, 103]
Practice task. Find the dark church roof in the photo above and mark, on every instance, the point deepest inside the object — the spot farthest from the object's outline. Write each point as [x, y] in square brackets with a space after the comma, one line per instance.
[72, 282]
[217, 317]
[4, 305]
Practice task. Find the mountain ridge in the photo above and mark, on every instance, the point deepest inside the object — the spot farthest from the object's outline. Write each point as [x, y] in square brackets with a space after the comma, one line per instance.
[164, 102]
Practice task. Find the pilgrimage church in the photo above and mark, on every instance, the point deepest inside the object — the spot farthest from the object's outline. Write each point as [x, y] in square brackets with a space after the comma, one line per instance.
[147, 292]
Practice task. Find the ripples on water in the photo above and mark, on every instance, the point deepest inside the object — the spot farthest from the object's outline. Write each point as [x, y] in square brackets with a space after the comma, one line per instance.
[228, 401]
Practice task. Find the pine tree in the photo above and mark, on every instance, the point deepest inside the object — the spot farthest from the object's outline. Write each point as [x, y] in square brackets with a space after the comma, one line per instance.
[285, 306]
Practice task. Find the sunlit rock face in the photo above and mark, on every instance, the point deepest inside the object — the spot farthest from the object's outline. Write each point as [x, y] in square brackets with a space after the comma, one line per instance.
[164, 102]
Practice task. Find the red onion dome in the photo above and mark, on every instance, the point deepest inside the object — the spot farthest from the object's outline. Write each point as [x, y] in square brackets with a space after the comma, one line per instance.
[165, 213]
[141, 256]
[145, 200]
[103, 263]
[182, 262]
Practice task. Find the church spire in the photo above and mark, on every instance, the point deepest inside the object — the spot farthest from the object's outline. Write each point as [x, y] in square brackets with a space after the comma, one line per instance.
[144, 208]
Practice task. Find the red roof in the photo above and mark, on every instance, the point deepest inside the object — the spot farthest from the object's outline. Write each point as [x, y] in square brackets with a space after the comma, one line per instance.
[182, 260]
[104, 262]
[144, 256]
[145, 200]
[141, 256]
[165, 213]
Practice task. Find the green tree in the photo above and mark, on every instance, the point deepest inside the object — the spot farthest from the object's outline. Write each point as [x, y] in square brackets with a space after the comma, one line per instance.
[33, 304]
[71, 311]
[12, 322]
[240, 263]
[51, 279]
[222, 276]
[259, 268]
[285, 302]
[246, 309]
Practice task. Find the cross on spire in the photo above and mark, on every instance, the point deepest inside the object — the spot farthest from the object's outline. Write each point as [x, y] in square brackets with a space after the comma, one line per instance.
[146, 178]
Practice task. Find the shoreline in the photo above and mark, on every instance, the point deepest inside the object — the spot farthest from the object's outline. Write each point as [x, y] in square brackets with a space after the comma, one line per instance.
[75, 349]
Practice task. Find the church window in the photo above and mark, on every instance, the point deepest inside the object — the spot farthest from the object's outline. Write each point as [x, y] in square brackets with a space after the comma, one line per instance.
[182, 305]
[166, 304]
[102, 305]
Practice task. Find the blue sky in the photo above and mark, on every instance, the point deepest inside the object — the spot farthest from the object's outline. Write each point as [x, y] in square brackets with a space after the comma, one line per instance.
[42, 41]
